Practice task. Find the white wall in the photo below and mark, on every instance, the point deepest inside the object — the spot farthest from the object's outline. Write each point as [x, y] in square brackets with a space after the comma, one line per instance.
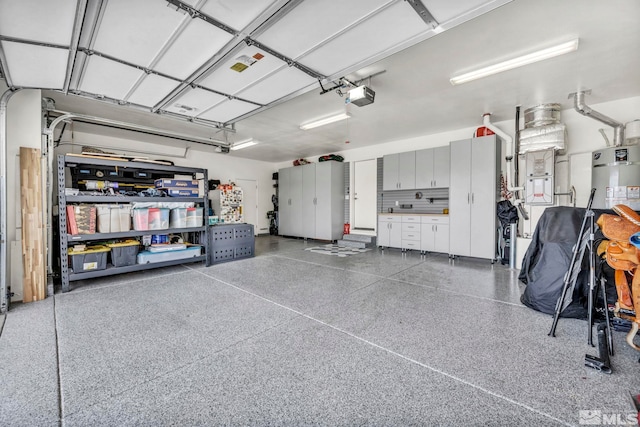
[220, 166]
[583, 137]
[23, 130]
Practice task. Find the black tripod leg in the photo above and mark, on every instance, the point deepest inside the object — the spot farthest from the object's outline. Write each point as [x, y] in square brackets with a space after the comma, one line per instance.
[606, 315]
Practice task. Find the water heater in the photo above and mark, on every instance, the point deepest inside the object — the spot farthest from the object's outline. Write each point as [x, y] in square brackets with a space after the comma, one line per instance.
[615, 174]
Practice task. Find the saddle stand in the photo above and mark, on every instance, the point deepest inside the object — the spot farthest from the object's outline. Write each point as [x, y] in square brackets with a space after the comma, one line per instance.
[586, 240]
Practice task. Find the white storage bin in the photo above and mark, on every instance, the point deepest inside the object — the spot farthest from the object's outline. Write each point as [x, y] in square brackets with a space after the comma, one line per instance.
[113, 218]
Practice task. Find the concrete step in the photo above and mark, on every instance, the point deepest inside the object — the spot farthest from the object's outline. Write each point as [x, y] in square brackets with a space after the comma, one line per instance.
[359, 238]
[351, 244]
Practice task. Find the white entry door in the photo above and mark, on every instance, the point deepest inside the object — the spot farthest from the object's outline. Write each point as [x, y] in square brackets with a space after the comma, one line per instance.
[365, 177]
[249, 201]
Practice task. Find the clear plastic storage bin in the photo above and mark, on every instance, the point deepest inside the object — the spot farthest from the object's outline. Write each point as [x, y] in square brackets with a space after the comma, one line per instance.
[195, 217]
[178, 218]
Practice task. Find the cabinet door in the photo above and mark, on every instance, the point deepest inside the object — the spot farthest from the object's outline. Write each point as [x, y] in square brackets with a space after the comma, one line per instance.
[390, 172]
[295, 220]
[484, 188]
[383, 232]
[407, 170]
[460, 198]
[425, 167]
[329, 200]
[441, 169]
[284, 202]
[309, 200]
[395, 234]
[427, 233]
[441, 238]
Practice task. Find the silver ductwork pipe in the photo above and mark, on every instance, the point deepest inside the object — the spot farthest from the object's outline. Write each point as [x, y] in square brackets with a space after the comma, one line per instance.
[582, 108]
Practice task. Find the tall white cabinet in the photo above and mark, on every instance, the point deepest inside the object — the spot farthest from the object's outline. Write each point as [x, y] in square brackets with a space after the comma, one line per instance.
[473, 193]
[312, 200]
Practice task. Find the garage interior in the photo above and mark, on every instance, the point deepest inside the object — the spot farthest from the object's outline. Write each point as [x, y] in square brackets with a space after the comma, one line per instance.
[393, 294]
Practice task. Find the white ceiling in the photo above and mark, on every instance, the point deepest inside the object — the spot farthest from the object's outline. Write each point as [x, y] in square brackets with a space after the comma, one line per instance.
[332, 38]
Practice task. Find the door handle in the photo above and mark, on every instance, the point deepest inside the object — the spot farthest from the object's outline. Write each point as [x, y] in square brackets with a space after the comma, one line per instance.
[468, 198]
[472, 201]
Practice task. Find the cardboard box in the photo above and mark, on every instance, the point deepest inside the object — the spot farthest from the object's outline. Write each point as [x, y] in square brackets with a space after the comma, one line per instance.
[176, 183]
[182, 192]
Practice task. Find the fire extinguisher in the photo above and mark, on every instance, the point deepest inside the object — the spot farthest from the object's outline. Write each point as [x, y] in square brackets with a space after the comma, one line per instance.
[346, 229]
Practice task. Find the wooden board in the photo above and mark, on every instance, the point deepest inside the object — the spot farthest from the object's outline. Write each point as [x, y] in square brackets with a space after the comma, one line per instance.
[33, 245]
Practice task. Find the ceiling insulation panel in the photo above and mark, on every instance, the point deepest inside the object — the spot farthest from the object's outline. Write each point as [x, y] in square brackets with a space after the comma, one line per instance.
[136, 31]
[235, 13]
[394, 25]
[245, 67]
[194, 101]
[197, 43]
[109, 78]
[278, 85]
[48, 21]
[228, 110]
[313, 22]
[27, 63]
[152, 90]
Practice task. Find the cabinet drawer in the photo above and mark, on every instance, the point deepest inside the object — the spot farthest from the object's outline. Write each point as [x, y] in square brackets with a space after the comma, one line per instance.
[411, 244]
[410, 218]
[411, 235]
[411, 227]
[435, 219]
[390, 218]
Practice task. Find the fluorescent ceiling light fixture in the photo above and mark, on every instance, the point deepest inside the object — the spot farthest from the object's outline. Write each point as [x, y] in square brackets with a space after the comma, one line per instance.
[540, 55]
[325, 121]
[243, 144]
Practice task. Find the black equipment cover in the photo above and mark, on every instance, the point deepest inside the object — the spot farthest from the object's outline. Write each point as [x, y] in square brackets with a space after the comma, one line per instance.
[547, 260]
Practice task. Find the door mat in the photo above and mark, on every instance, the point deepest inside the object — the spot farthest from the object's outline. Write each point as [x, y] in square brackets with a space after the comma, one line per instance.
[336, 250]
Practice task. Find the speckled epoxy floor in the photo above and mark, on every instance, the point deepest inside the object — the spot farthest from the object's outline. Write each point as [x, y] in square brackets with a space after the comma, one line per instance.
[296, 338]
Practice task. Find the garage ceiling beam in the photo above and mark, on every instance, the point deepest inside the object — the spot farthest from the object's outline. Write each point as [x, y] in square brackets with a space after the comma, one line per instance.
[75, 41]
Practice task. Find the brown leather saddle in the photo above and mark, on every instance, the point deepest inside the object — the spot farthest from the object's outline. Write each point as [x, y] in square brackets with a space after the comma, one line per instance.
[624, 257]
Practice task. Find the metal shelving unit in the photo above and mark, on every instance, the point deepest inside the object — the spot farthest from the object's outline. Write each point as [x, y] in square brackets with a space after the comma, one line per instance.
[65, 161]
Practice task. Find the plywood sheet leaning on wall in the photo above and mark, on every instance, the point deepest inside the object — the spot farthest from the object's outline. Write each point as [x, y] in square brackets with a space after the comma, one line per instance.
[33, 253]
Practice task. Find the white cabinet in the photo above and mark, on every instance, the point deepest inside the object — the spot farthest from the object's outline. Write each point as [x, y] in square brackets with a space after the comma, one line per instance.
[434, 233]
[399, 171]
[312, 200]
[290, 206]
[309, 201]
[329, 201]
[389, 231]
[432, 167]
[473, 194]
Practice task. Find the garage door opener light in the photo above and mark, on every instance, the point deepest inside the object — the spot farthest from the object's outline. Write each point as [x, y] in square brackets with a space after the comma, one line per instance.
[520, 61]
